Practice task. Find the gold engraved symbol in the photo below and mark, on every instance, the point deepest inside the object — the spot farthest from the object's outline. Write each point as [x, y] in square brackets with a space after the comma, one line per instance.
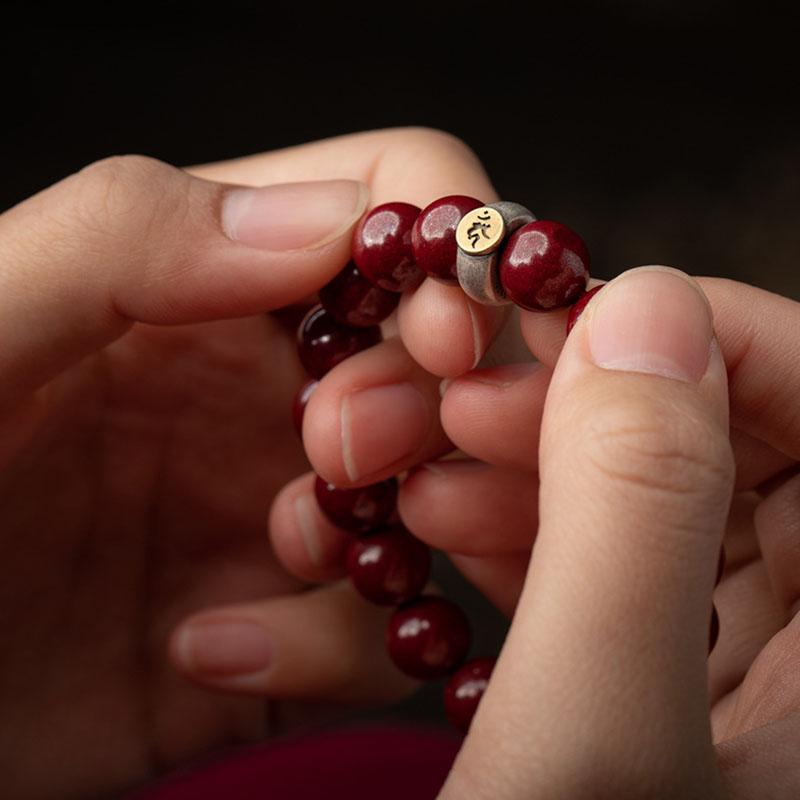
[480, 231]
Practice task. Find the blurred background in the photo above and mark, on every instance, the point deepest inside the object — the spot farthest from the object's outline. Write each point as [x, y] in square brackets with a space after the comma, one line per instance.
[665, 132]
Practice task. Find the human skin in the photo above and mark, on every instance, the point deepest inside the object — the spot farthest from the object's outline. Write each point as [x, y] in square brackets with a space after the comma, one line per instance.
[151, 414]
[145, 430]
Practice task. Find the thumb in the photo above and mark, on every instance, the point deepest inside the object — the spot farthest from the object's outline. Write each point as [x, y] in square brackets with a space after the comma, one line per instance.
[132, 239]
[601, 687]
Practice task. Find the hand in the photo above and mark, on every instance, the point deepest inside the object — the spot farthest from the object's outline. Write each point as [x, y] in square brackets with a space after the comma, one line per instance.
[144, 431]
[603, 689]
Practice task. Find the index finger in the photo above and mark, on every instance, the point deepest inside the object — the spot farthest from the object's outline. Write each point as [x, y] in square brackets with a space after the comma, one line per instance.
[444, 331]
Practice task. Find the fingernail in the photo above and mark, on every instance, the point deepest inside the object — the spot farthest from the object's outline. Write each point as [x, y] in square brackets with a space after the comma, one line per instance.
[305, 512]
[454, 467]
[504, 376]
[225, 648]
[293, 216]
[381, 426]
[654, 321]
[477, 336]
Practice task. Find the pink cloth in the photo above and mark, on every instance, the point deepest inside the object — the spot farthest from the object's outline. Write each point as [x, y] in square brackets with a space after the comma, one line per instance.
[351, 764]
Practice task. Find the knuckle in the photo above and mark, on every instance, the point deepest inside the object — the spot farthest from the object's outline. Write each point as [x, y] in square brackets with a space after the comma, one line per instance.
[657, 448]
[126, 196]
[438, 140]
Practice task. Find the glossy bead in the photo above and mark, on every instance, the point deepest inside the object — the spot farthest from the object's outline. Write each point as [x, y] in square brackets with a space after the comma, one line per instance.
[578, 308]
[382, 247]
[433, 236]
[389, 567]
[322, 342]
[545, 265]
[300, 401]
[464, 691]
[357, 510]
[353, 300]
[713, 629]
[428, 638]
[720, 566]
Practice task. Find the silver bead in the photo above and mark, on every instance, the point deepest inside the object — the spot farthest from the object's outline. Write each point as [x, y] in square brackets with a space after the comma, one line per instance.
[477, 271]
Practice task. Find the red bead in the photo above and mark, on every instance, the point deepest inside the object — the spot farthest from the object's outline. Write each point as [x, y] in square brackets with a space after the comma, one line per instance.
[545, 265]
[389, 567]
[720, 566]
[713, 629]
[322, 342]
[465, 689]
[357, 510]
[578, 308]
[353, 300]
[300, 401]
[433, 236]
[382, 247]
[428, 638]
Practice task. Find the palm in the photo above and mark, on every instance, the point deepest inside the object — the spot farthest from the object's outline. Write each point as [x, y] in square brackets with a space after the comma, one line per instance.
[137, 494]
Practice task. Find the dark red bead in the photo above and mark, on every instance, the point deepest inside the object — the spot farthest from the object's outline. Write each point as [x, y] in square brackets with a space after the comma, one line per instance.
[322, 342]
[713, 629]
[353, 300]
[545, 265]
[300, 401]
[382, 247]
[578, 308]
[357, 510]
[433, 236]
[720, 566]
[389, 567]
[464, 691]
[428, 638]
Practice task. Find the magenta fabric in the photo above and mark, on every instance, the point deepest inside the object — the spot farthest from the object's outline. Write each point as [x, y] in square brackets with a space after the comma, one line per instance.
[356, 764]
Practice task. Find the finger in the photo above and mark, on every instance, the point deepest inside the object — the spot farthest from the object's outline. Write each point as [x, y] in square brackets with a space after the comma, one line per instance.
[763, 762]
[470, 507]
[305, 541]
[499, 578]
[770, 690]
[415, 165]
[611, 632]
[132, 239]
[373, 416]
[756, 331]
[748, 609]
[326, 644]
[464, 329]
[476, 406]
[777, 521]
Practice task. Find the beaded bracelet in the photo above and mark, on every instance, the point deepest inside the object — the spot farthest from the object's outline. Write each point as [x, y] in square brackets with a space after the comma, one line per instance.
[498, 253]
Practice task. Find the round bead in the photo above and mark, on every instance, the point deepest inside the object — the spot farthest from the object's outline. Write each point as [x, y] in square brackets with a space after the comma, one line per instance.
[353, 300]
[382, 247]
[433, 236]
[357, 510]
[389, 567]
[428, 638]
[300, 402]
[322, 342]
[578, 308]
[545, 265]
[465, 689]
[713, 629]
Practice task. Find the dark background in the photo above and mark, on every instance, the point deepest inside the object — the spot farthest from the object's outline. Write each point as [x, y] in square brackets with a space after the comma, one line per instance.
[663, 132]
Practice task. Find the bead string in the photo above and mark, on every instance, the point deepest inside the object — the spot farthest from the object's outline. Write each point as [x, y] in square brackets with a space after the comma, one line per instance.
[542, 265]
